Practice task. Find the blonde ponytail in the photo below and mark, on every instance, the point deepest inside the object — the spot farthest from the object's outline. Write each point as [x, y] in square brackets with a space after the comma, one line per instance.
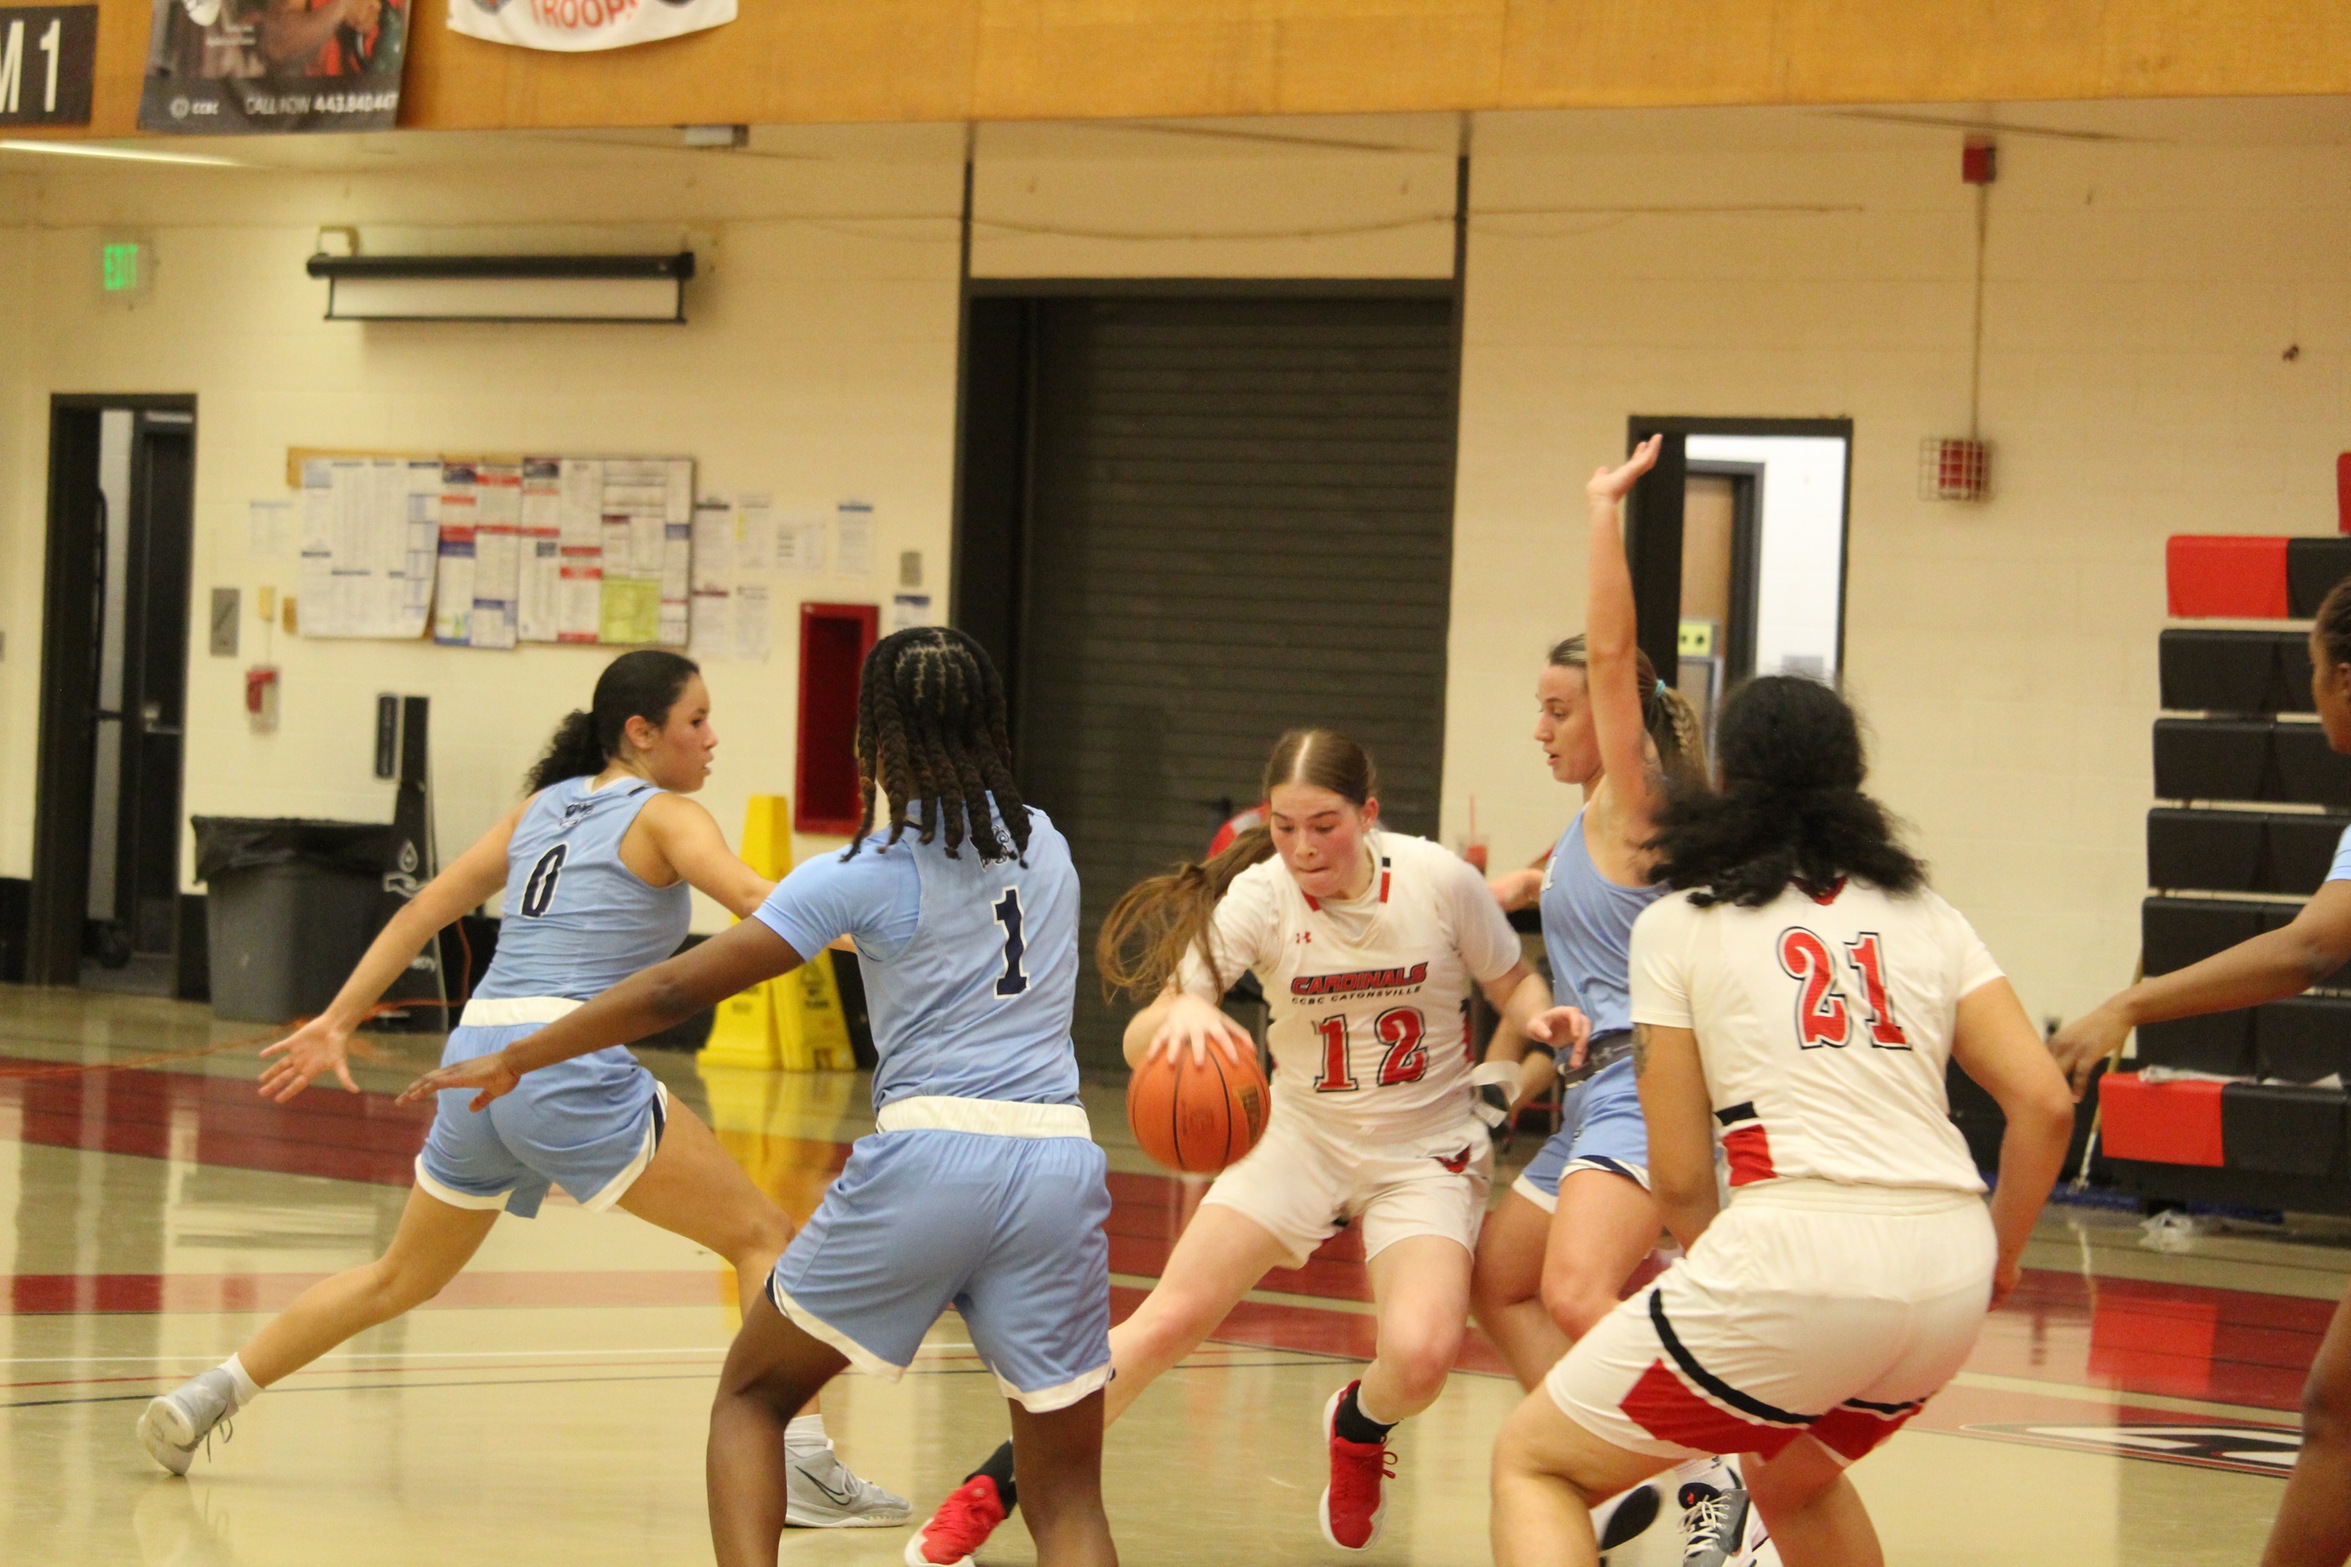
[1681, 740]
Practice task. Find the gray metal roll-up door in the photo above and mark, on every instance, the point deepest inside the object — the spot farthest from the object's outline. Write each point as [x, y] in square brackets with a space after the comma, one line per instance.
[1239, 521]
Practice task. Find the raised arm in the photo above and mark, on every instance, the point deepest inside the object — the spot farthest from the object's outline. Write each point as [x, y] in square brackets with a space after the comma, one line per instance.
[1612, 649]
[685, 835]
[645, 1003]
[2271, 966]
[324, 1043]
[1994, 1043]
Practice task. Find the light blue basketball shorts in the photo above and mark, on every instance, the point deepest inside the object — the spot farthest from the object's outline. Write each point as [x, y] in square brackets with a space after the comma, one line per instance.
[589, 1125]
[1007, 1228]
[1600, 1128]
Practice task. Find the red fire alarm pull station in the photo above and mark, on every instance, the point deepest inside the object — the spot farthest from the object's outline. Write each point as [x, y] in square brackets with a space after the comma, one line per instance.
[1979, 162]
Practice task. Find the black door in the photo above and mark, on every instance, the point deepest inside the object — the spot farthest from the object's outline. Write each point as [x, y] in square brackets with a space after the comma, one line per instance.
[1234, 516]
[113, 692]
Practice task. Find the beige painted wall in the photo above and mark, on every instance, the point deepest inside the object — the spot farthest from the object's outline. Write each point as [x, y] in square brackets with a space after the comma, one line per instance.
[2141, 296]
[2143, 289]
[818, 364]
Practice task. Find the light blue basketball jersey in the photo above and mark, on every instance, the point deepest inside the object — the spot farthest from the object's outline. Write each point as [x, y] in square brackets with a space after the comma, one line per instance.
[2341, 869]
[1588, 933]
[577, 920]
[971, 996]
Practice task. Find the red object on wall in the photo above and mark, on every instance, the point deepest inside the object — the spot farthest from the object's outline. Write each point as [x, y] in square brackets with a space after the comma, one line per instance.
[2225, 576]
[834, 639]
[2160, 1123]
[1979, 161]
[2343, 493]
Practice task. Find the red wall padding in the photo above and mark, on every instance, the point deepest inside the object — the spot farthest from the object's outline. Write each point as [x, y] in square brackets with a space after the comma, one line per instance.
[2231, 576]
[2160, 1123]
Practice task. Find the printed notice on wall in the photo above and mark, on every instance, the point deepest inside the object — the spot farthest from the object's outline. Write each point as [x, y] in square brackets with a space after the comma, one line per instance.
[370, 537]
[495, 554]
[854, 520]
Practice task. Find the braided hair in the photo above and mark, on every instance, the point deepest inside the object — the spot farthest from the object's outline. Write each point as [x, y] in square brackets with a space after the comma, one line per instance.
[931, 735]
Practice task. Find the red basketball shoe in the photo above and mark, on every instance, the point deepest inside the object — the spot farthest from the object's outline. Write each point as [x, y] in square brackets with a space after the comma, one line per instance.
[961, 1526]
[1357, 1497]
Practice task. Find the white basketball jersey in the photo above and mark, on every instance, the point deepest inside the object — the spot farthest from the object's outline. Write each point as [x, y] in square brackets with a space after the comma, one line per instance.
[1824, 1025]
[1369, 998]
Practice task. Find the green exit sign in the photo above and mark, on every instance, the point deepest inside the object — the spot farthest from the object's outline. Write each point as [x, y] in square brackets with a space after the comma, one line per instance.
[119, 267]
[126, 267]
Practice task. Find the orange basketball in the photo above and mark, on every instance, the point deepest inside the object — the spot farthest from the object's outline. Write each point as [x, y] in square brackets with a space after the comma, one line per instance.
[1197, 1116]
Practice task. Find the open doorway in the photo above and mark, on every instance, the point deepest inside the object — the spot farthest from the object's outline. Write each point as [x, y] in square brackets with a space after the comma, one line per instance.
[114, 662]
[1737, 541]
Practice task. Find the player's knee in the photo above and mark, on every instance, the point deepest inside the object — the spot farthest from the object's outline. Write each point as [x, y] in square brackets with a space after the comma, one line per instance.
[2326, 1412]
[1163, 1331]
[1420, 1361]
[1577, 1305]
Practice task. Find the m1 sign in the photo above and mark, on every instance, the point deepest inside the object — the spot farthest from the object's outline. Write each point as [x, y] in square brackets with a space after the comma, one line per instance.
[48, 56]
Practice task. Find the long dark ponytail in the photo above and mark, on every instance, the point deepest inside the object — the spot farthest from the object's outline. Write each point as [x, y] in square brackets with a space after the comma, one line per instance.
[1791, 807]
[931, 733]
[644, 684]
[1161, 918]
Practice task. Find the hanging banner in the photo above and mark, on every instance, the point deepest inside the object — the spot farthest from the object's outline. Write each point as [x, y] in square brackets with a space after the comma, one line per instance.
[576, 25]
[229, 67]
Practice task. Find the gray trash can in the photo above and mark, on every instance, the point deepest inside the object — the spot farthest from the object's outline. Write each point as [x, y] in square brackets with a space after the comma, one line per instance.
[291, 906]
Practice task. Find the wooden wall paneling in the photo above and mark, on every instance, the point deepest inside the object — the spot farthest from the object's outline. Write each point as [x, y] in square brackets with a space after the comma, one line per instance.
[947, 60]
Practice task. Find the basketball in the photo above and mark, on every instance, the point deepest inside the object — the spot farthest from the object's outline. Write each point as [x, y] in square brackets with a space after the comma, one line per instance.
[1197, 1117]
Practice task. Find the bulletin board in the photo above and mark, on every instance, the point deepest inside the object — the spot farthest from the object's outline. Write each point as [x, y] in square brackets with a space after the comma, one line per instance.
[491, 552]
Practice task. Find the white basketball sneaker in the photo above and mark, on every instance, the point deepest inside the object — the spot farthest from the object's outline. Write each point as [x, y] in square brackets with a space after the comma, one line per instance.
[821, 1493]
[1626, 1516]
[179, 1422]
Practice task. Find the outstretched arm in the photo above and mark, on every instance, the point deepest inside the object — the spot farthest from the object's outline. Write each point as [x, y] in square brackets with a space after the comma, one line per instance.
[645, 1003]
[1612, 649]
[2273, 965]
[324, 1043]
[685, 835]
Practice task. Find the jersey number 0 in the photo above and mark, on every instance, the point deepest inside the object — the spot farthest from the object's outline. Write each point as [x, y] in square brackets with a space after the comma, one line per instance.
[539, 891]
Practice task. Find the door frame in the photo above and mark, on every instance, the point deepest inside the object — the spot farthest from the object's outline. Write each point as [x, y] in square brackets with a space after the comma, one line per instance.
[1653, 524]
[1738, 650]
[64, 765]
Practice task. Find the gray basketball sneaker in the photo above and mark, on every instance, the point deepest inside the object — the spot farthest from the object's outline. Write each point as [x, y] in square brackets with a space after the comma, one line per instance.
[1720, 1528]
[179, 1422]
[821, 1493]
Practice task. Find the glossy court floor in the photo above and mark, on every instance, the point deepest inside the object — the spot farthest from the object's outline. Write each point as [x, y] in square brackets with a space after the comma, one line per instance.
[2127, 1407]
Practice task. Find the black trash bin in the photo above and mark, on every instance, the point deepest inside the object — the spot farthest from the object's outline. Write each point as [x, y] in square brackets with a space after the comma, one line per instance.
[292, 905]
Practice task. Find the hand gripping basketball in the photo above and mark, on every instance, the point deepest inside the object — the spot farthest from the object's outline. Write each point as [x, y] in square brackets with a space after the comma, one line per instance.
[1197, 1112]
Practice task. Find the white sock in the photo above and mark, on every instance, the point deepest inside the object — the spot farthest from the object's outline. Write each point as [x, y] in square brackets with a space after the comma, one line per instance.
[247, 1390]
[1712, 1471]
[805, 1434]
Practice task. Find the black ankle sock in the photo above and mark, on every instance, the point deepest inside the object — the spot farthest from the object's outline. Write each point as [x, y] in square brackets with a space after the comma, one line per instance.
[999, 1469]
[1353, 1424]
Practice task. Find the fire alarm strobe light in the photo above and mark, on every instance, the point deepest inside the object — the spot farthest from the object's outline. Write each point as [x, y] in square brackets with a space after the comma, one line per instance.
[1953, 469]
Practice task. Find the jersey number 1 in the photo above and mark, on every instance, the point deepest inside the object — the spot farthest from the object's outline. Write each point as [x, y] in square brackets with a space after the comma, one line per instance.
[1012, 981]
